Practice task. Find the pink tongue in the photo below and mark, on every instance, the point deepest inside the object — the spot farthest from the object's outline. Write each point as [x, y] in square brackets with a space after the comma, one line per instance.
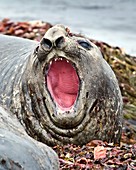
[63, 83]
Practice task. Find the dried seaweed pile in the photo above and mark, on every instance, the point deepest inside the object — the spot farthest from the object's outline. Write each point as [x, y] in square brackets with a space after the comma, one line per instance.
[96, 154]
[32, 30]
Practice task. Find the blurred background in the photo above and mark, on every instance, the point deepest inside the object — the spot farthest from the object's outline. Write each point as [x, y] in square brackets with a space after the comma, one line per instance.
[111, 21]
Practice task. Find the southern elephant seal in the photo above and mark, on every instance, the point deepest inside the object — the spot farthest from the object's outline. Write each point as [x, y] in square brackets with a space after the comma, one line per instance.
[61, 89]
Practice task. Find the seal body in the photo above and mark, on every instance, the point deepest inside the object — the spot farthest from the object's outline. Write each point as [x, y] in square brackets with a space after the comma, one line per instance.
[20, 151]
[61, 89]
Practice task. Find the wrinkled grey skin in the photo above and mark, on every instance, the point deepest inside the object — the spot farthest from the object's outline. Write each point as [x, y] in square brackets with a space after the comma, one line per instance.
[97, 111]
[18, 151]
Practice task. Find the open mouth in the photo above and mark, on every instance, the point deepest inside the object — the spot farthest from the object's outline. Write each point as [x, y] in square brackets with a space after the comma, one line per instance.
[63, 83]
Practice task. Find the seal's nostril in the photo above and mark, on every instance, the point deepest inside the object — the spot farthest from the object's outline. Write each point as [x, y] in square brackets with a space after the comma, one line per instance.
[59, 41]
[46, 43]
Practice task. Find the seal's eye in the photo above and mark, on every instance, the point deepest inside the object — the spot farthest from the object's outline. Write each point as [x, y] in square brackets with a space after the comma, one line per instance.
[85, 44]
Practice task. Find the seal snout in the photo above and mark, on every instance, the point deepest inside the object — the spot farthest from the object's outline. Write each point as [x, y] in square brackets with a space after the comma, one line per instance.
[48, 44]
[59, 41]
[54, 37]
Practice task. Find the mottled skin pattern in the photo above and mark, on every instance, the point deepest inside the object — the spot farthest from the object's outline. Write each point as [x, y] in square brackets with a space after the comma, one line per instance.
[97, 111]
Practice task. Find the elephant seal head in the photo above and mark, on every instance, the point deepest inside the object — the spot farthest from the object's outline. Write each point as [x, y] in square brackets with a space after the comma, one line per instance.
[69, 92]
